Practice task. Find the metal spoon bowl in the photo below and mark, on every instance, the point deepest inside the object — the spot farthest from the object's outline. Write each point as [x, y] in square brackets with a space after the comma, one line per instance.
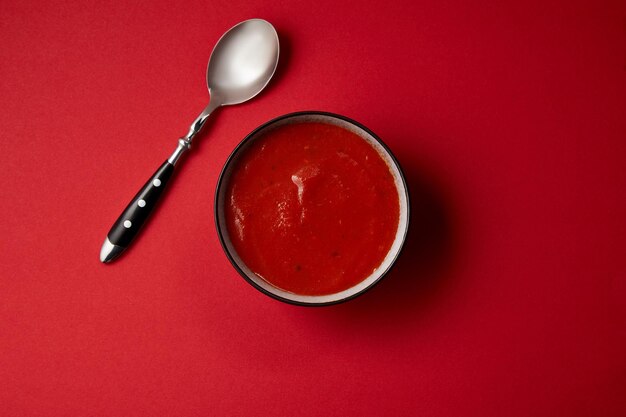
[242, 63]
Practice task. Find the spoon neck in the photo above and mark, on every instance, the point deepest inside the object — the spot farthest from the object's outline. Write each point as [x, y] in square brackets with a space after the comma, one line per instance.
[184, 143]
[197, 124]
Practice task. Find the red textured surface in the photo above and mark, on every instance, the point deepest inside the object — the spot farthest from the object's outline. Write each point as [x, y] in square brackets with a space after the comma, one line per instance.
[508, 118]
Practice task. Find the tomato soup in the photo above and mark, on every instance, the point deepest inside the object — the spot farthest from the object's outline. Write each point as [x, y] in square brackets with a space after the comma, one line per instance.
[311, 208]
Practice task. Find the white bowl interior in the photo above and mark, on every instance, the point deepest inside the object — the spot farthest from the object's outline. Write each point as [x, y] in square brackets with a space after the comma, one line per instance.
[393, 251]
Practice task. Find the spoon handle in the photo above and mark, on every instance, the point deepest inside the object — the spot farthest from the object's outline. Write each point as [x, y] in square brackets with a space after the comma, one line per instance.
[127, 226]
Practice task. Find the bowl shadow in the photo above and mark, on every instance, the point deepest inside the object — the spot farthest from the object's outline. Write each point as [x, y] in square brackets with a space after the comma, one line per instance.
[424, 270]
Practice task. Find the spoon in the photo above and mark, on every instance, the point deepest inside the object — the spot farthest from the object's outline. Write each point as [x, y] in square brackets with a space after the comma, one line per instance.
[241, 64]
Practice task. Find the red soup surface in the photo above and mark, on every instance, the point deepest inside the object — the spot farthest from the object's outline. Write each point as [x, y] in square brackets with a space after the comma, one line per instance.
[311, 208]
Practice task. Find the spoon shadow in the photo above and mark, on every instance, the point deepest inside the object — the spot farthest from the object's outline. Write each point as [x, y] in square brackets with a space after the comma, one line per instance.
[284, 59]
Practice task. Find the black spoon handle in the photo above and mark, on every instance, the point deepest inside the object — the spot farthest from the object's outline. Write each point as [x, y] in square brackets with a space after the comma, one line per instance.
[139, 209]
[129, 223]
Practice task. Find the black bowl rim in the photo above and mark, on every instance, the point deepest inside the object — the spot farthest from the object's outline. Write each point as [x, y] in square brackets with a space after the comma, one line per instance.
[220, 183]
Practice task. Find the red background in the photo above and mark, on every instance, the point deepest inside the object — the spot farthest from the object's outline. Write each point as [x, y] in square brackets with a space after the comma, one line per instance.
[509, 120]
